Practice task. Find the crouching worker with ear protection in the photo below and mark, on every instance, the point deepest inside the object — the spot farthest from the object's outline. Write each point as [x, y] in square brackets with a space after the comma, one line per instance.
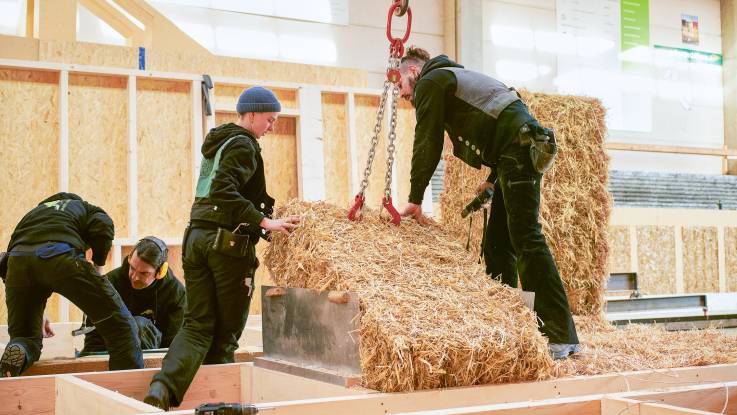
[152, 293]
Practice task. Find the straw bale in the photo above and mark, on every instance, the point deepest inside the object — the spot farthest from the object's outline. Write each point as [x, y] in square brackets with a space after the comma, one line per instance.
[607, 349]
[365, 113]
[429, 318]
[98, 144]
[700, 259]
[336, 149]
[730, 252]
[575, 203]
[619, 249]
[656, 261]
[164, 157]
[226, 96]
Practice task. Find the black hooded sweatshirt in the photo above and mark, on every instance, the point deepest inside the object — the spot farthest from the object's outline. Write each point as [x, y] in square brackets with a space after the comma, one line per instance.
[65, 217]
[164, 302]
[458, 102]
[238, 190]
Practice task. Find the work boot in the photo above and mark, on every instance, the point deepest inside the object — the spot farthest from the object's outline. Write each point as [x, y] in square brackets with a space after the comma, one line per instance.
[561, 351]
[12, 361]
[158, 396]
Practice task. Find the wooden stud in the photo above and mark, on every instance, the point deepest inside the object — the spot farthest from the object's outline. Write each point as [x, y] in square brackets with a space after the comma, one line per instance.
[678, 232]
[310, 155]
[32, 395]
[132, 159]
[64, 131]
[722, 256]
[76, 396]
[351, 120]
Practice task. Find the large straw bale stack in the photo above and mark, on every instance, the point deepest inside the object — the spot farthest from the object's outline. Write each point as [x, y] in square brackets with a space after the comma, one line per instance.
[575, 202]
[429, 318]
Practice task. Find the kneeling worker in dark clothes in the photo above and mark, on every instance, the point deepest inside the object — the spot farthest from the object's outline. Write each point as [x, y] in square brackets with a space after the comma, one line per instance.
[489, 125]
[152, 293]
[46, 254]
[230, 213]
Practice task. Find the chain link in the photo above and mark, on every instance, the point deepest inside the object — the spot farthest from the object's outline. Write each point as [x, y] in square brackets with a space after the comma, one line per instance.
[391, 147]
[375, 137]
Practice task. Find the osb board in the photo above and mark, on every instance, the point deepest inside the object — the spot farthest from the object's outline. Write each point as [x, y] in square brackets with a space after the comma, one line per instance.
[656, 260]
[336, 149]
[29, 139]
[84, 53]
[700, 259]
[619, 249]
[176, 61]
[365, 113]
[174, 258]
[279, 151]
[730, 256]
[98, 144]
[164, 113]
[227, 95]
[406, 122]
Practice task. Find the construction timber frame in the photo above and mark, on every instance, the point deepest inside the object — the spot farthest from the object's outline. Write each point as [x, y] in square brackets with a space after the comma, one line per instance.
[694, 390]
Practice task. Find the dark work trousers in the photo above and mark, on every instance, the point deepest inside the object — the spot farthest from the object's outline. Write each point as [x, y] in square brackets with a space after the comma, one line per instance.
[219, 290]
[515, 243]
[30, 282]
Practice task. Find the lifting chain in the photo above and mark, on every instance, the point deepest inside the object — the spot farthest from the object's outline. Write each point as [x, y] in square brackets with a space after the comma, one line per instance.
[396, 51]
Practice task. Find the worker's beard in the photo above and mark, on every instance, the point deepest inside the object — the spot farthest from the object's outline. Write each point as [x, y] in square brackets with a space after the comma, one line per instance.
[412, 81]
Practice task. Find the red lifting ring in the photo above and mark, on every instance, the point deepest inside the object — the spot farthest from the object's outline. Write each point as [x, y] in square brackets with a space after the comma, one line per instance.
[397, 44]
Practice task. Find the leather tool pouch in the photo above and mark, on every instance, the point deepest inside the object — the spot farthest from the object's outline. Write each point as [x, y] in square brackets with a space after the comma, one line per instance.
[233, 244]
[3, 265]
[542, 149]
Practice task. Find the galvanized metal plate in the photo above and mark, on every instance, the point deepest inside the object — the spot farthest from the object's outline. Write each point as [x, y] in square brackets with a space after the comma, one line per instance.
[307, 328]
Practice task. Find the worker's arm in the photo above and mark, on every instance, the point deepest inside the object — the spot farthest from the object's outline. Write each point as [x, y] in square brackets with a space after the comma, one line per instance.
[100, 233]
[429, 133]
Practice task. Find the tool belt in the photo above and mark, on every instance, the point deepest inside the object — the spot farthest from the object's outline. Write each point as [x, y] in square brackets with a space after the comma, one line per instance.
[543, 148]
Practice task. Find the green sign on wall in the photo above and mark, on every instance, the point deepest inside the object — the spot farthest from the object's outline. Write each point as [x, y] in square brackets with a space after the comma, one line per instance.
[635, 23]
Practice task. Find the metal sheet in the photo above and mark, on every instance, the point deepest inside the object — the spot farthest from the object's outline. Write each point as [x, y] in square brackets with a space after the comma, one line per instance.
[655, 303]
[305, 328]
[622, 281]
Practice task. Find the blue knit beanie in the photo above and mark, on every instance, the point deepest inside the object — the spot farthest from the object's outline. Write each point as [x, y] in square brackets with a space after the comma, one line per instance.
[257, 99]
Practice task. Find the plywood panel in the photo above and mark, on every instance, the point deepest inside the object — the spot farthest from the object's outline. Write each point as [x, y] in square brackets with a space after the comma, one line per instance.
[98, 144]
[29, 146]
[226, 96]
[730, 252]
[279, 151]
[366, 108]
[700, 260]
[336, 149]
[406, 122]
[619, 249]
[164, 156]
[656, 259]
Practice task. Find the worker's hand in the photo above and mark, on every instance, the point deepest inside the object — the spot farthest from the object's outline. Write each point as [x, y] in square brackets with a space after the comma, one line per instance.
[415, 211]
[483, 186]
[283, 225]
[46, 330]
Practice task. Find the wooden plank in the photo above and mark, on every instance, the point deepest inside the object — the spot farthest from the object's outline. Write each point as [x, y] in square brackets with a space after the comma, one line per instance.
[75, 396]
[579, 386]
[25, 395]
[652, 148]
[719, 398]
[264, 385]
[627, 406]
[212, 383]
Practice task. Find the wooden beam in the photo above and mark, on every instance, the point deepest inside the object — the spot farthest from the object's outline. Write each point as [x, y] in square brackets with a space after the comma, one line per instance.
[57, 20]
[117, 20]
[652, 148]
[213, 383]
[75, 396]
[719, 398]
[579, 386]
[132, 158]
[197, 132]
[34, 395]
[30, 17]
[626, 406]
